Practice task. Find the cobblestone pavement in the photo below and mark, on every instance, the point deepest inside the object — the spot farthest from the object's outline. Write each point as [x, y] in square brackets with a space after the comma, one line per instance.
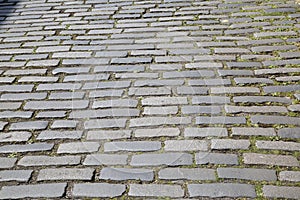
[155, 99]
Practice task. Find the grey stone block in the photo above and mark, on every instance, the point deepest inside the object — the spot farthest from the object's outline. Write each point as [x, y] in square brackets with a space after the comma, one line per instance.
[50, 190]
[49, 160]
[65, 174]
[132, 146]
[214, 190]
[155, 190]
[105, 159]
[288, 192]
[269, 159]
[169, 159]
[205, 132]
[247, 174]
[78, 147]
[186, 174]
[26, 147]
[7, 162]
[98, 190]
[157, 132]
[126, 174]
[15, 175]
[216, 158]
[186, 145]
[15, 136]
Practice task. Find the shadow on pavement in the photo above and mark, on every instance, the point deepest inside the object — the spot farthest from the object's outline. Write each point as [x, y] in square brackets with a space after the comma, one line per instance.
[6, 8]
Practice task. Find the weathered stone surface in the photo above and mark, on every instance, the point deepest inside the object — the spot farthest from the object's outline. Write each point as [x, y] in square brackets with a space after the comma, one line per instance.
[97, 190]
[214, 190]
[126, 174]
[186, 174]
[269, 159]
[247, 174]
[49, 160]
[50, 190]
[155, 190]
[272, 191]
[170, 159]
[65, 174]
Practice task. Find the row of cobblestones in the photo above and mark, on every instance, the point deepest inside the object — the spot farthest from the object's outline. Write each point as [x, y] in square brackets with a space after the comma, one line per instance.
[130, 99]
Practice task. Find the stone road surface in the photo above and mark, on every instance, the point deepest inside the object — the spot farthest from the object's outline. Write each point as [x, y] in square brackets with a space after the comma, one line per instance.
[154, 99]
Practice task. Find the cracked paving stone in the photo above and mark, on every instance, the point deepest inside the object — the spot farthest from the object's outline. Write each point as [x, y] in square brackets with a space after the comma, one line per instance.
[78, 147]
[15, 136]
[186, 174]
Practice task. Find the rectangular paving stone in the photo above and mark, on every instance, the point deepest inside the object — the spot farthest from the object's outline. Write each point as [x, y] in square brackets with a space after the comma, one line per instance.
[105, 159]
[15, 175]
[7, 162]
[23, 96]
[132, 146]
[16, 88]
[169, 159]
[98, 190]
[216, 158]
[186, 145]
[108, 135]
[164, 101]
[106, 93]
[49, 190]
[15, 136]
[78, 147]
[65, 174]
[214, 190]
[48, 160]
[267, 119]
[151, 83]
[281, 88]
[210, 100]
[15, 114]
[157, 132]
[156, 121]
[155, 190]
[255, 109]
[269, 159]
[103, 113]
[286, 192]
[105, 123]
[30, 125]
[200, 109]
[281, 145]
[165, 110]
[47, 105]
[186, 174]
[234, 90]
[289, 132]
[253, 131]
[149, 91]
[120, 174]
[51, 114]
[220, 120]
[205, 132]
[115, 103]
[58, 86]
[261, 99]
[191, 90]
[26, 147]
[247, 174]
[229, 144]
[293, 176]
[52, 135]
